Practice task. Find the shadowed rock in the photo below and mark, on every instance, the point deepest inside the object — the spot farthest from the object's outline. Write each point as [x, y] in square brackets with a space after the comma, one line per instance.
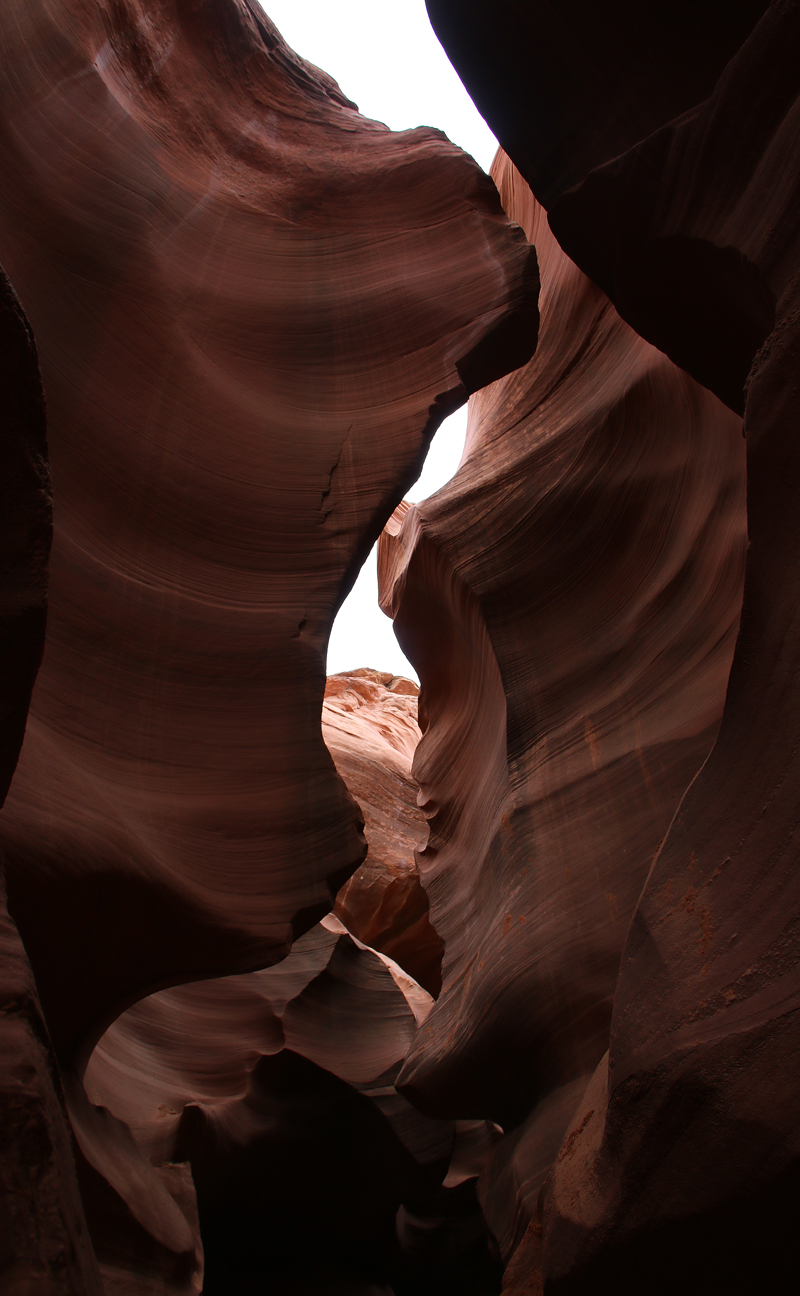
[570, 601]
[683, 1161]
[566, 87]
[277, 1088]
[44, 1246]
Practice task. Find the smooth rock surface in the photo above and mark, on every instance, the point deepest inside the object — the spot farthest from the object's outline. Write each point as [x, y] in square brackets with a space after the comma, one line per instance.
[570, 601]
[693, 232]
[253, 307]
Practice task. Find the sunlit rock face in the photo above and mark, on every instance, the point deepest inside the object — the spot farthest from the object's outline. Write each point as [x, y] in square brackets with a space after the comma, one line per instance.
[43, 1236]
[252, 308]
[370, 726]
[570, 601]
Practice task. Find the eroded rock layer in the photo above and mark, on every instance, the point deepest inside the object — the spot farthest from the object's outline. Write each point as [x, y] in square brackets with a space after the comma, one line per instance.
[680, 1168]
[570, 601]
[253, 307]
[276, 1088]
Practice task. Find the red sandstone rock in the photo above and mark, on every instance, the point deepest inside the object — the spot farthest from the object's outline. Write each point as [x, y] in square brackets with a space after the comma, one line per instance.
[276, 1087]
[369, 723]
[683, 1161]
[253, 308]
[44, 1247]
[570, 601]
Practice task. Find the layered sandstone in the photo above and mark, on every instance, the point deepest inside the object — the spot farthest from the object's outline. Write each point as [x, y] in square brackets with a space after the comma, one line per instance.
[253, 307]
[684, 1157]
[681, 1168]
[570, 601]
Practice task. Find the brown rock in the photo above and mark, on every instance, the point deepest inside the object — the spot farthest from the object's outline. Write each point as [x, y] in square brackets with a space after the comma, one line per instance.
[369, 723]
[253, 308]
[276, 1087]
[693, 232]
[567, 87]
[570, 601]
[44, 1246]
[661, 187]
[684, 1159]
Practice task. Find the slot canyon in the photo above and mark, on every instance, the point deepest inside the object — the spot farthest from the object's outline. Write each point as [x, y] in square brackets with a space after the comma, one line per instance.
[338, 984]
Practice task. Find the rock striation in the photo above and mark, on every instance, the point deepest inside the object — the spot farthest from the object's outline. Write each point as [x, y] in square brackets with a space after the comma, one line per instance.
[253, 307]
[680, 1168]
[687, 1141]
[553, 1021]
[570, 601]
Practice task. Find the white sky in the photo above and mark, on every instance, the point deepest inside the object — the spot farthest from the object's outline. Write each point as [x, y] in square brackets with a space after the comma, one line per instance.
[386, 58]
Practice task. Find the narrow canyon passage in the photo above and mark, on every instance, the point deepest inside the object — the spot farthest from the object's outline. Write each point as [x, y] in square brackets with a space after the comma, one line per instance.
[472, 970]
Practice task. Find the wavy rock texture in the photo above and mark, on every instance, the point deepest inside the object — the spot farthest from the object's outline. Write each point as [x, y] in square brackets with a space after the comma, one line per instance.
[253, 307]
[683, 1162]
[276, 1087]
[369, 723]
[44, 1247]
[570, 601]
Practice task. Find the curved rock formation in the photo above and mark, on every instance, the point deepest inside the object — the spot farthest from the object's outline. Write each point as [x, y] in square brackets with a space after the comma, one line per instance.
[684, 1159]
[43, 1241]
[253, 308]
[697, 236]
[276, 1087]
[369, 723]
[659, 165]
[570, 601]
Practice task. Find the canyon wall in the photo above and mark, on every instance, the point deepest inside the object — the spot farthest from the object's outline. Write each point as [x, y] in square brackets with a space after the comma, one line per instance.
[571, 600]
[44, 1243]
[335, 986]
[680, 1169]
[252, 307]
